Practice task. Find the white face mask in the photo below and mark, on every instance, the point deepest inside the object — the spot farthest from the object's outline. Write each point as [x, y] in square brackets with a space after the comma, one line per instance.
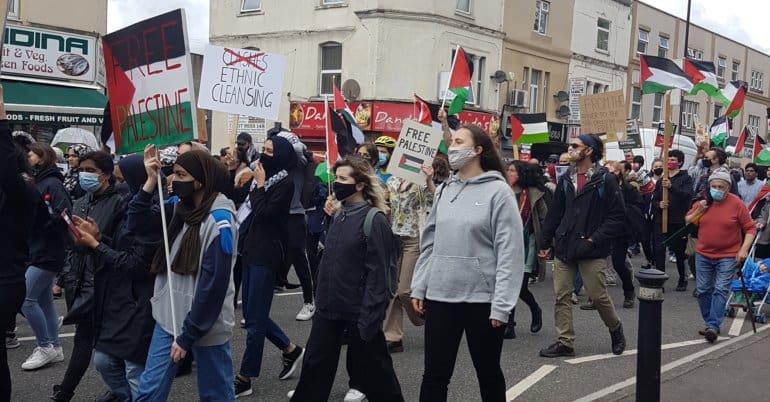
[460, 156]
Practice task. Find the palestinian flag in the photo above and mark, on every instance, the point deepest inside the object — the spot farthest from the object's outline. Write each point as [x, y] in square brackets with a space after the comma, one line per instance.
[459, 82]
[735, 94]
[765, 190]
[759, 145]
[703, 75]
[735, 145]
[342, 108]
[452, 121]
[410, 163]
[659, 74]
[423, 111]
[332, 153]
[529, 128]
[720, 131]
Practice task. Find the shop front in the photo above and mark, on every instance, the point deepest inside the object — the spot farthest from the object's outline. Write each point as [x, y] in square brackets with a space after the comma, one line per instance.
[375, 118]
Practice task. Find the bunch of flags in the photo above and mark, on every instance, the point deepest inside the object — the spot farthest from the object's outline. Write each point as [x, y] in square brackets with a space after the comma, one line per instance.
[342, 131]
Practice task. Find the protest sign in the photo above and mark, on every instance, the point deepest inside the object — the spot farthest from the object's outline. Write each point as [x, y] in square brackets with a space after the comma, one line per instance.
[417, 145]
[632, 139]
[577, 89]
[242, 81]
[150, 83]
[603, 113]
[661, 133]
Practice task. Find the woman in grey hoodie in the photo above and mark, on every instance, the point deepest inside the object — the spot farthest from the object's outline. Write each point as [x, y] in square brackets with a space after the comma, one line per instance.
[470, 269]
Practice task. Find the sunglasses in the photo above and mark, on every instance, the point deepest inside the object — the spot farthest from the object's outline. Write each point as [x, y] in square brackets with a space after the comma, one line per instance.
[576, 146]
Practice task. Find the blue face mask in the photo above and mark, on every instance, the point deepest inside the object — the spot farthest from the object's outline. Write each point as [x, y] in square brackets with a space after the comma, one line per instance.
[383, 159]
[717, 195]
[89, 181]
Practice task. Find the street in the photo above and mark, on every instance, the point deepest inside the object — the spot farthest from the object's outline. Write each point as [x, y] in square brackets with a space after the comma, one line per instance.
[594, 370]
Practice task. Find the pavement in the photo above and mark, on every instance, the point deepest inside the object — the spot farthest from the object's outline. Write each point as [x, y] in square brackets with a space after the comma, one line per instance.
[691, 368]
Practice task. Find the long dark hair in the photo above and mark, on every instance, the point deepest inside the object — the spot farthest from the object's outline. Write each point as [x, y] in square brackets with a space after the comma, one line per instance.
[363, 173]
[46, 154]
[374, 154]
[489, 158]
[529, 176]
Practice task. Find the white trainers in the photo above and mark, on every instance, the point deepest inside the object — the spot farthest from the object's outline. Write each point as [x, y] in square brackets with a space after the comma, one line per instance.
[59, 354]
[307, 312]
[354, 395]
[290, 394]
[40, 357]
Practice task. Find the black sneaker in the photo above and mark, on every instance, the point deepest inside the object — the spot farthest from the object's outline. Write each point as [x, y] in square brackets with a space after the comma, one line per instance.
[628, 300]
[290, 362]
[710, 335]
[107, 396]
[558, 349]
[395, 347]
[242, 388]
[618, 340]
[510, 330]
[589, 305]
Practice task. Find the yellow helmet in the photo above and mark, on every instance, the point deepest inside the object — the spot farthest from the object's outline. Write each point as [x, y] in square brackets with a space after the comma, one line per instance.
[385, 141]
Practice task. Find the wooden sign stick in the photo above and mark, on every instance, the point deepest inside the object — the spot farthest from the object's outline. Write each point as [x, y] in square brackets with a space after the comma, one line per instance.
[664, 156]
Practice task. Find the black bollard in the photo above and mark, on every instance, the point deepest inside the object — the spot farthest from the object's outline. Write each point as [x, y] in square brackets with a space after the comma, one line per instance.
[648, 356]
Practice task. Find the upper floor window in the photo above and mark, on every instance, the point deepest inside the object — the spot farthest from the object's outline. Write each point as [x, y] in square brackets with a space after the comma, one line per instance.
[534, 90]
[721, 67]
[636, 104]
[693, 53]
[642, 41]
[331, 67]
[734, 74]
[662, 46]
[327, 2]
[13, 9]
[542, 8]
[603, 34]
[757, 80]
[463, 6]
[251, 5]
[689, 114]
[657, 109]
[753, 123]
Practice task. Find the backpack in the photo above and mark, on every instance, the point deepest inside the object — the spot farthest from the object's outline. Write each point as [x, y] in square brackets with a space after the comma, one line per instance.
[391, 278]
[309, 183]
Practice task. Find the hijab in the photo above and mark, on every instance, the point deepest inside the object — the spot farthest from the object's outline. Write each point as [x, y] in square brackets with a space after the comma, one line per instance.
[72, 176]
[214, 179]
[133, 171]
[283, 160]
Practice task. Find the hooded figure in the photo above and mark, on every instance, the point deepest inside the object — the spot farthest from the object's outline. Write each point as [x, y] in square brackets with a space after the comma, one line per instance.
[72, 176]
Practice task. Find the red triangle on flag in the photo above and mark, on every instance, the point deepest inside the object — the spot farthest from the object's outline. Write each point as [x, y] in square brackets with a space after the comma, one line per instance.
[645, 72]
[332, 152]
[424, 115]
[517, 129]
[460, 76]
[120, 92]
[339, 101]
[741, 141]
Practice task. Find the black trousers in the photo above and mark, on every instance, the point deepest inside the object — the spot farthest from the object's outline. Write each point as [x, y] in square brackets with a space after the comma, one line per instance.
[647, 240]
[11, 298]
[81, 356]
[313, 256]
[297, 256]
[445, 324]
[618, 256]
[526, 296]
[677, 245]
[237, 279]
[379, 383]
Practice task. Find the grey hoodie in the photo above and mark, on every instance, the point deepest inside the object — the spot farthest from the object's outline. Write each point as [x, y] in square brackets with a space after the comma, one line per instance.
[472, 247]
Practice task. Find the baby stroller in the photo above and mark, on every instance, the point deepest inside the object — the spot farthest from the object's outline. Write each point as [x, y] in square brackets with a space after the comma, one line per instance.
[751, 290]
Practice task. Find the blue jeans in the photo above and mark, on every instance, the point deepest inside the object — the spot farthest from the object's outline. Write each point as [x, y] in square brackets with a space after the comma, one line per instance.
[257, 291]
[713, 280]
[214, 370]
[38, 306]
[578, 283]
[122, 376]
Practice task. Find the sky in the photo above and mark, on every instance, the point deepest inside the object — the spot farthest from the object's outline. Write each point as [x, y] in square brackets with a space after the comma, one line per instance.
[745, 21]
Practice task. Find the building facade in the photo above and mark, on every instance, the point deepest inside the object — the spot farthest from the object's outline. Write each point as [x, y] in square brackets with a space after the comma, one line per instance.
[52, 69]
[379, 52]
[658, 33]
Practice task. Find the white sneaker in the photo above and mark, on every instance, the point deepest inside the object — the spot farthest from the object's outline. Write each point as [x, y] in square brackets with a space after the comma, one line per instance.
[354, 395]
[307, 312]
[59, 354]
[290, 394]
[40, 358]
[672, 258]
[61, 321]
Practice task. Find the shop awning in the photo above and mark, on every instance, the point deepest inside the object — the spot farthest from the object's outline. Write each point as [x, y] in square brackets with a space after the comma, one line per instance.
[42, 103]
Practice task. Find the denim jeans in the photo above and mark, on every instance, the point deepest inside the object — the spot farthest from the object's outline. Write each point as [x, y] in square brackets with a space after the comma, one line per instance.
[38, 306]
[713, 282]
[122, 376]
[257, 291]
[214, 370]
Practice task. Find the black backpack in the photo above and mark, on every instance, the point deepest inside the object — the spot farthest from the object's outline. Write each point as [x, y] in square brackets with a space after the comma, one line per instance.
[309, 183]
[391, 279]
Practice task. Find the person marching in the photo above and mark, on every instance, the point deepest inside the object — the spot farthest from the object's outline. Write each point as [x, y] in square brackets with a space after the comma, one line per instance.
[385, 146]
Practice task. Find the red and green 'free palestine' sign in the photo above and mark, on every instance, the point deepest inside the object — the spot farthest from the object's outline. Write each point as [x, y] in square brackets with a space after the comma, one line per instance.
[150, 83]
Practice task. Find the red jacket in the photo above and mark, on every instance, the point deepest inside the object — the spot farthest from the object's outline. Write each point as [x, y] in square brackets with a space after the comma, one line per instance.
[722, 228]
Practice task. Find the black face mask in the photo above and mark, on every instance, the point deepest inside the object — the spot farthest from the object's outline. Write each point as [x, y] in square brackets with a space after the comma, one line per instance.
[706, 163]
[183, 189]
[343, 190]
[267, 161]
[658, 171]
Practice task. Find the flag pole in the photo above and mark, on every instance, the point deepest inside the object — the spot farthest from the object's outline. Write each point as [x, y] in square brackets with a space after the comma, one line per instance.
[454, 60]
[515, 151]
[326, 128]
[414, 105]
[664, 156]
[168, 255]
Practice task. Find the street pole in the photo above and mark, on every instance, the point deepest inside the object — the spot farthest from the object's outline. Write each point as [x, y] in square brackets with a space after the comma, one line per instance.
[648, 356]
[686, 46]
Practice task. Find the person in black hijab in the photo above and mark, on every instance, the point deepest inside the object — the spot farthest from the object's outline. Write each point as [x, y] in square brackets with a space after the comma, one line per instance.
[266, 236]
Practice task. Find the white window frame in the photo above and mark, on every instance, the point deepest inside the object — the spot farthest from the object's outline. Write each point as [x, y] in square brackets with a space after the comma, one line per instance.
[694, 53]
[542, 11]
[721, 67]
[717, 111]
[689, 113]
[757, 80]
[323, 72]
[331, 2]
[657, 108]
[13, 9]
[754, 123]
[602, 30]
[250, 10]
[734, 73]
[460, 10]
[534, 90]
[636, 103]
[642, 36]
[662, 46]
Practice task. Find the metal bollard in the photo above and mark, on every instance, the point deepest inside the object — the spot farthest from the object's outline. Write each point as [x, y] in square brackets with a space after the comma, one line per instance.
[648, 356]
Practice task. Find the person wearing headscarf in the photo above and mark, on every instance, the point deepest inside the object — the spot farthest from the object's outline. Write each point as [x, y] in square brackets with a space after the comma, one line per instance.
[199, 317]
[74, 152]
[266, 238]
[123, 287]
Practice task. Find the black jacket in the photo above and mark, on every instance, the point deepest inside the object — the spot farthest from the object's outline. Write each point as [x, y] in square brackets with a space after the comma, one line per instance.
[107, 209]
[122, 312]
[680, 197]
[353, 269]
[48, 242]
[19, 205]
[635, 205]
[595, 213]
[266, 237]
